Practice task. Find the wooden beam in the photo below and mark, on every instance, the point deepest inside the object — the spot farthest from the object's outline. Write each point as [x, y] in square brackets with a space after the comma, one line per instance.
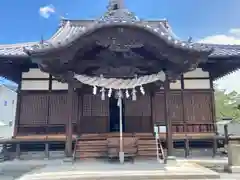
[69, 129]
[168, 120]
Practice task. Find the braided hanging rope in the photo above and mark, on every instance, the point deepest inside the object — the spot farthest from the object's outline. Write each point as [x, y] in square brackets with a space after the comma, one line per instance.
[118, 83]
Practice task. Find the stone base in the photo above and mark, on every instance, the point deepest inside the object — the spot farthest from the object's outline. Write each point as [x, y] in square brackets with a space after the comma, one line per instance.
[171, 161]
[232, 169]
[121, 157]
[68, 160]
[17, 159]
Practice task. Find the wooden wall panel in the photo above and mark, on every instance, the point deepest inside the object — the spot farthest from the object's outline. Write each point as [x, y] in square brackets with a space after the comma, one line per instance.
[158, 108]
[175, 107]
[138, 115]
[34, 109]
[95, 114]
[58, 111]
[91, 114]
[198, 106]
[197, 110]
[46, 112]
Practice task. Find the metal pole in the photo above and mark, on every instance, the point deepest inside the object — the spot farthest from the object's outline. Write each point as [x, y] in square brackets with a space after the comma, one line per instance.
[121, 153]
[156, 141]
[156, 132]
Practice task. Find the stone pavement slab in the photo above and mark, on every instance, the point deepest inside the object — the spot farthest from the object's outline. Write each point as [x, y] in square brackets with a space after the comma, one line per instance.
[104, 170]
[11, 170]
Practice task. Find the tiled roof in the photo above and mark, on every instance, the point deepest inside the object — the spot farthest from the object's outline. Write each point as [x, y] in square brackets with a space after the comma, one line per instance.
[224, 50]
[71, 30]
[15, 50]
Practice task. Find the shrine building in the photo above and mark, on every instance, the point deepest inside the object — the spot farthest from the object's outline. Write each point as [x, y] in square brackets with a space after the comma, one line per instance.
[95, 78]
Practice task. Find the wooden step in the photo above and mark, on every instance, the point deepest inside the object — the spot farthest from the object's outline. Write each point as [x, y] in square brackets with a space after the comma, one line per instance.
[147, 149]
[92, 144]
[92, 150]
[90, 155]
[150, 153]
[146, 142]
[93, 141]
[91, 147]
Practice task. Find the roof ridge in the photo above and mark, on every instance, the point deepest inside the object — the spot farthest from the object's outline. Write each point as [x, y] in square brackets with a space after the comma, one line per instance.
[227, 46]
[17, 45]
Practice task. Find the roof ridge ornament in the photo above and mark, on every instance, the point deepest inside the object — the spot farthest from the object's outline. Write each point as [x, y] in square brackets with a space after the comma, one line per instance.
[116, 12]
[190, 39]
[115, 4]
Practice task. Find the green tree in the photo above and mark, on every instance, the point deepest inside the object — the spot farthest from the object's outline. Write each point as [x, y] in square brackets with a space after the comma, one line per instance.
[227, 104]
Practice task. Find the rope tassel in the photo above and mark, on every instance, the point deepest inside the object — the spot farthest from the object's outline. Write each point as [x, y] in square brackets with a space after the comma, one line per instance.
[134, 96]
[127, 94]
[94, 90]
[119, 97]
[142, 90]
[103, 93]
[109, 92]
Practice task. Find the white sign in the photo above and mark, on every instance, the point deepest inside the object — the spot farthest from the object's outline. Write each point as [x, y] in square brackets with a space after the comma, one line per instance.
[162, 129]
[156, 130]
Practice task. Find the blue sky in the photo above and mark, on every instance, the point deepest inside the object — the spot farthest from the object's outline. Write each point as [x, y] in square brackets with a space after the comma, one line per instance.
[206, 20]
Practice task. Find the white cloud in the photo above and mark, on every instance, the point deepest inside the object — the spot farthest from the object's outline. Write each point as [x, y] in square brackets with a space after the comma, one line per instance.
[235, 31]
[47, 11]
[232, 37]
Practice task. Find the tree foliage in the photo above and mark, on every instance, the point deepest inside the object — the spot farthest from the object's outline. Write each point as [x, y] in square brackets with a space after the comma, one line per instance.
[227, 104]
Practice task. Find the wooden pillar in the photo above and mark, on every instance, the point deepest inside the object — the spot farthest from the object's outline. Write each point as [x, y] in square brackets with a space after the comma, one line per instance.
[186, 140]
[46, 152]
[168, 120]
[213, 105]
[69, 130]
[18, 150]
[213, 117]
[18, 105]
[18, 111]
[79, 111]
[151, 106]
[226, 137]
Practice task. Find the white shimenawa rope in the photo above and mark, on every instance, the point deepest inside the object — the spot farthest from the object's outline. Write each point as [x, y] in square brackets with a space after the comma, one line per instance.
[118, 83]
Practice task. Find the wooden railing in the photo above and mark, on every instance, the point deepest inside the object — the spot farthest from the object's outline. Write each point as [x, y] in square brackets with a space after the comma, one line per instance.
[44, 129]
[192, 127]
[61, 128]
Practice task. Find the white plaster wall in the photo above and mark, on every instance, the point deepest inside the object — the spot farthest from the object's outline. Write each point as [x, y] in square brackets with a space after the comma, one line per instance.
[35, 73]
[197, 73]
[35, 85]
[197, 84]
[176, 85]
[59, 86]
[8, 103]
